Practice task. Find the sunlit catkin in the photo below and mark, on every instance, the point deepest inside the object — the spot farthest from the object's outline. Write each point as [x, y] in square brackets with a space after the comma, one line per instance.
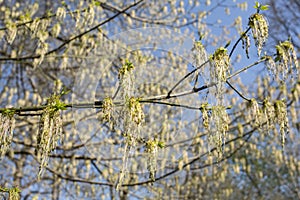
[287, 61]
[281, 118]
[49, 132]
[218, 127]
[260, 30]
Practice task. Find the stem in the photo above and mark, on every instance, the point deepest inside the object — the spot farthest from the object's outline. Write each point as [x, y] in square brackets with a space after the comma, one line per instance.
[230, 55]
[186, 76]
[240, 94]
[247, 67]
[238, 41]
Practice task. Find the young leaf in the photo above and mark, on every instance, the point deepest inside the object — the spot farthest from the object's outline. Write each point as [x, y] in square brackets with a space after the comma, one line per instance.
[257, 5]
[264, 7]
[227, 44]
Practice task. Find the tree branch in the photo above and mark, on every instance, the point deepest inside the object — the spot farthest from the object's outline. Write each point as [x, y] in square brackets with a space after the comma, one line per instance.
[75, 37]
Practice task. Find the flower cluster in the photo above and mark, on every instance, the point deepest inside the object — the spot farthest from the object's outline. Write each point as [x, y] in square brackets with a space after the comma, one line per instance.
[151, 150]
[218, 127]
[132, 113]
[50, 130]
[269, 114]
[246, 43]
[11, 32]
[42, 50]
[260, 30]
[281, 118]
[296, 91]
[133, 118]
[200, 57]
[125, 69]
[205, 116]
[271, 66]
[135, 110]
[218, 72]
[61, 13]
[13, 193]
[107, 109]
[7, 123]
[287, 57]
[254, 113]
[126, 78]
[221, 63]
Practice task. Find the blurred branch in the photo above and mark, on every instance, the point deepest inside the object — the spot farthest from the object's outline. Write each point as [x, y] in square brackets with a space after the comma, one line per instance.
[75, 37]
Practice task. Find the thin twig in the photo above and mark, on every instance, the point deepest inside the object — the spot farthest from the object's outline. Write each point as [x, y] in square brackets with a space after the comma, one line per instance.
[75, 37]
[186, 76]
[238, 41]
[247, 67]
[239, 93]
[249, 134]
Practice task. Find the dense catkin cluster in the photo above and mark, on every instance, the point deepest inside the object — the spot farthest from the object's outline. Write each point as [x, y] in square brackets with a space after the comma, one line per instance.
[281, 118]
[11, 32]
[42, 50]
[151, 150]
[221, 63]
[260, 30]
[268, 112]
[287, 57]
[200, 57]
[49, 132]
[219, 124]
[133, 118]
[254, 113]
[132, 115]
[271, 66]
[218, 71]
[14, 194]
[126, 78]
[135, 110]
[107, 109]
[7, 124]
[132, 111]
[205, 117]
